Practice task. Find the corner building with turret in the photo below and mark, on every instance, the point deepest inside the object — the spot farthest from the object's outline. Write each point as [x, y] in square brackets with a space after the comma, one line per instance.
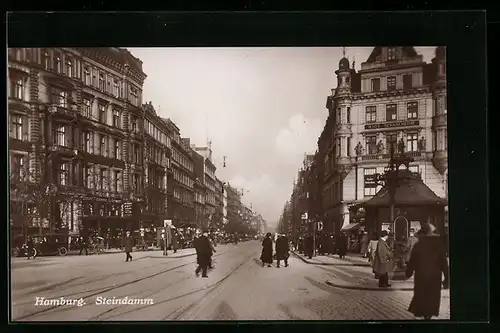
[395, 96]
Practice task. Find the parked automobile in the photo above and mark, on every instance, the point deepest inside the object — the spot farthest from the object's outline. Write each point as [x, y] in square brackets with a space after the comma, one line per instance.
[46, 244]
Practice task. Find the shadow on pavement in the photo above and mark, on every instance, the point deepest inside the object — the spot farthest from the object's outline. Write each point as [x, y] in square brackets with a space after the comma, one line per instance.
[224, 312]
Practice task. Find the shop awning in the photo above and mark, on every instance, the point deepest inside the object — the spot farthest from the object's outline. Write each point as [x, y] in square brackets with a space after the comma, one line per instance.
[350, 226]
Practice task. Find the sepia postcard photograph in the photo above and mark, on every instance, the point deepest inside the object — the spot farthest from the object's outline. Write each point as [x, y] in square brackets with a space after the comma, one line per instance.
[228, 183]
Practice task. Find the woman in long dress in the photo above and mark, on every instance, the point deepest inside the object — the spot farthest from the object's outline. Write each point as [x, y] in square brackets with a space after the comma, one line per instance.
[267, 251]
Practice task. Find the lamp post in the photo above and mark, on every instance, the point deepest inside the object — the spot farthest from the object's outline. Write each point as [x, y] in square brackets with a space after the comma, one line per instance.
[392, 179]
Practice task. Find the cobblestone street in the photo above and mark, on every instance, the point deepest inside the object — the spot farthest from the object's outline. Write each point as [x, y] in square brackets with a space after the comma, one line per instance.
[238, 288]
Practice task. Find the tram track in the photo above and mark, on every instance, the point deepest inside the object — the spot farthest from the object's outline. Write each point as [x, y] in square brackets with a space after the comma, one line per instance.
[102, 289]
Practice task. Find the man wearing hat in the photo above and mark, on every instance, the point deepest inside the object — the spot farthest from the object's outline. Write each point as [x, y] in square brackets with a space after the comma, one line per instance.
[128, 244]
[203, 253]
[382, 261]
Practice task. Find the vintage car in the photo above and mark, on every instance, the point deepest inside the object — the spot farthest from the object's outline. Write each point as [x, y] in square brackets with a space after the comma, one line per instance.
[46, 244]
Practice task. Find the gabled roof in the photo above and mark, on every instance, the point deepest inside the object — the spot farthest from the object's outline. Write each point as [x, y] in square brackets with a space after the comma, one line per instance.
[412, 192]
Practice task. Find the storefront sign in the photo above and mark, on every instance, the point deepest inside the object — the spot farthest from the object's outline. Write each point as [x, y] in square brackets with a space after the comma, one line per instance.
[401, 123]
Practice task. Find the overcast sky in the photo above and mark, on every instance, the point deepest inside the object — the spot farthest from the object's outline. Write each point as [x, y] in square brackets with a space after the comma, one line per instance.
[262, 108]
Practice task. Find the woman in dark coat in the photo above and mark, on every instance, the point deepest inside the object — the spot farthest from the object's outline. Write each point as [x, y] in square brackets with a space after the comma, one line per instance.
[428, 262]
[267, 251]
[342, 245]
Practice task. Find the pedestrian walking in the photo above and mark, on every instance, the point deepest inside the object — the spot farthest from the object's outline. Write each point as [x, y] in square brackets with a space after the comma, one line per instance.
[342, 245]
[429, 263]
[203, 254]
[372, 247]
[267, 251]
[212, 251]
[382, 262]
[174, 240]
[30, 248]
[365, 240]
[309, 245]
[410, 244]
[128, 244]
[282, 250]
[83, 246]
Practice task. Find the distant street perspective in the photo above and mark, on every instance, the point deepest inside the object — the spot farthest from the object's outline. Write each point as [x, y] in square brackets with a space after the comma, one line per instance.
[216, 184]
[238, 288]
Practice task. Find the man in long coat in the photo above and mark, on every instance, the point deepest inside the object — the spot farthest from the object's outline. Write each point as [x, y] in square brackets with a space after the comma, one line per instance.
[382, 263]
[174, 240]
[342, 245]
[267, 251]
[282, 250]
[128, 244]
[428, 262]
[203, 253]
[365, 240]
[309, 246]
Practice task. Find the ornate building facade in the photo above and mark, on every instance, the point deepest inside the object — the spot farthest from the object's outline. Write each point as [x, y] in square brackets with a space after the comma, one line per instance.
[76, 128]
[395, 97]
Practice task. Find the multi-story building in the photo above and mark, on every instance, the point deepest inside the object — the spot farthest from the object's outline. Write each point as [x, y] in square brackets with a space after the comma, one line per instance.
[209, 182]
[76, 139]
[199, 190]
[395, 97]
[234, 208]
[224, 205]
[218, 218]
[181, 183]
[157, 149]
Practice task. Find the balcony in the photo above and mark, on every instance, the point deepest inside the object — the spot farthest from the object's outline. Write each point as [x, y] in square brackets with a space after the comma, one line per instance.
[384, 157]
[62, 111]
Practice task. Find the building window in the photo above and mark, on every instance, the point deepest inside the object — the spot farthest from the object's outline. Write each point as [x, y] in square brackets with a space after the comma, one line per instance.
[87, 108]
[18, 167]
[413, 168]
[16, 127]
[74, 174]
[371, 114]
[102, 179]
[133, 123]
[348, 146]
[86, 76]
[17, 89]
[45, 60]
[69, 68]
[63, 174]
[109, 88]
[391, 112]
[60, 98]
[135, 182]
[391, 83]
[102, 145]
[87, 142]
[412, 142]
[101, 81]
[391, 53]
[391, 142]
[116, 88]
[117, 149]
[86, 176]
[348, 115]
[407, 81]
[339, 147]
[370, 181]
[136, 154]
[412, 108]
[134, 96]
[339, 113]
[376, 84]
[116, 118]
[60, 135]
[371, 144]
[116, 185]
[102, 113]
[57, 63]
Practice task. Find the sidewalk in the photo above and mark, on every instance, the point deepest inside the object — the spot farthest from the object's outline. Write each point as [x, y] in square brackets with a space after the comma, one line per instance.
[354, 272]
[351, 259]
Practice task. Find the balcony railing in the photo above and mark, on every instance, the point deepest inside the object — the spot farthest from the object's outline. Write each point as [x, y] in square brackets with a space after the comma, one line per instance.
[383, 156]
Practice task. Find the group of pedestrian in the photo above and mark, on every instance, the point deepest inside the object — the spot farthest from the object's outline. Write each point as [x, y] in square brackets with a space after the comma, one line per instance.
[425, 259]
[282, 250]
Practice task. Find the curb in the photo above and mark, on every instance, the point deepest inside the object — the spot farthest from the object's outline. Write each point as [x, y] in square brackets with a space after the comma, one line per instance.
[326, 264]
[355, 287]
